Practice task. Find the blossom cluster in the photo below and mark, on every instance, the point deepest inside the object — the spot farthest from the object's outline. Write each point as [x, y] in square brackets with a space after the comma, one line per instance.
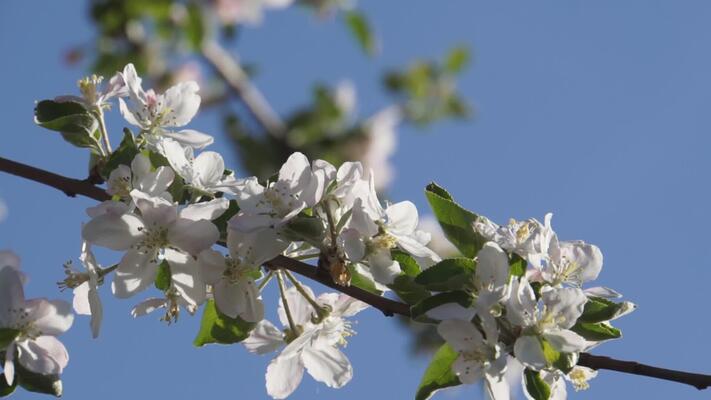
[190, 229]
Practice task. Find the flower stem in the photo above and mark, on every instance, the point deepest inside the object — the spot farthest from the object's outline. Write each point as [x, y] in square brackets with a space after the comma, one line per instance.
[266, 280]
[319, 310]
[102, 129]
[331, 224]
[287, 311]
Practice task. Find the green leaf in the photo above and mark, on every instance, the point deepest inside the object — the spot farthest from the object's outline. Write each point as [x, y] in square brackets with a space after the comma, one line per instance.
[123, 155]
[456, 60]
[438, 374]
[407, 290]
[408, 264]
[419, 311]
[162, 282]
[449, 274]
[362, 282]
[308, 229]
[596, 332]
[517, 266]
[7, 335]
[218, 328]
[536, 387]
[360, 29]
[456, 222]
[65, 116]
[598, 309]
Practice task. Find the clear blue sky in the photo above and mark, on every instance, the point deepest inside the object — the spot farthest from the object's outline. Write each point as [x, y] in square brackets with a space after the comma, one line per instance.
[596, 111]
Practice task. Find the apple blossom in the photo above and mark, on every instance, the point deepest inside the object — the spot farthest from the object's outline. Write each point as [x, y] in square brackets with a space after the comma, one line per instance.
[140, 176]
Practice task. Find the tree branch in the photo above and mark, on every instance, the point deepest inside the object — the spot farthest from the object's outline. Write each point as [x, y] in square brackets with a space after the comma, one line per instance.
[230, 70]
[72, 187]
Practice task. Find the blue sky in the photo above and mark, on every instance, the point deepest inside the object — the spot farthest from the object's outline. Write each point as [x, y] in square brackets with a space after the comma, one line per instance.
[595, 111]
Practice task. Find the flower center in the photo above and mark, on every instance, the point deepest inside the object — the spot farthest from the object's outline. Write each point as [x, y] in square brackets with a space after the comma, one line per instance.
[578, 379]
[281, 201]
[153, 239]
[381, 241]
[235, 271]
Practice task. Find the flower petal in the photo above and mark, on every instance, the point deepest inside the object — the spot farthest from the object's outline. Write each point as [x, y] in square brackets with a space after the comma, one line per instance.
[264, 338]
[327, 364]
[116, 232]
[283, 376]
[135, 272]
[192, 138]
[193, 236]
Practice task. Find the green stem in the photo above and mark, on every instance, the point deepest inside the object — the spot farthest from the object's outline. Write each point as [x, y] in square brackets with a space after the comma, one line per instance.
[319, 310]
[102, 129]
[266, 280]
[287, 311]
[105, 271]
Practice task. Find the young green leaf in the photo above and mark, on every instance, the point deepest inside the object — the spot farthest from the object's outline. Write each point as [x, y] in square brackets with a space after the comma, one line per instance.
[456, 221]
[361, 30]
[598, 309]
[419, 311]
[456, 60]
[535, 386]
[596, 332]
[449, 274]
[216, 327]
[123, 155]
[438, 374]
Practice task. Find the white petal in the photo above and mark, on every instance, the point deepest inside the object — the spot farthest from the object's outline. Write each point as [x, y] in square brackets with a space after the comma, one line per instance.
[208, 167]
[207, 210]
[467, 371]
[212, 265]
[56, 316]
[451, 311]
[185, 276]
[255, 248]
[43, 355]
[135, 272]
[566, 303]
[300, 309]
[529, 351]
[193, 236]
[402, 218]
[182, 103]
[283, 376]
[113, 232]
[264, 338]
[461, 335]
[492, 266]
[80, 301]
[383, 267]
[9, 365]
[327, 364]
[154, 210]
[496, 387]
[564, 340]
[229, 298]
[12, 295]
[250, 223]
[604, 292]
[148, 306]
[189, 137]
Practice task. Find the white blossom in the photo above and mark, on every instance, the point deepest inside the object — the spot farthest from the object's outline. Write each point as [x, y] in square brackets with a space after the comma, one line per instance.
[140, 176]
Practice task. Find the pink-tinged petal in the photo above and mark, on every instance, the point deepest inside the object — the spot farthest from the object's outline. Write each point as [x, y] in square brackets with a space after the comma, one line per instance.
[54, 317]
[264, 338]
[148, 306]
[135, 272]
[212, 265]
[207, 210]
[114, 232]
[182, 103]
[208, 168]
[327, 364]
[193, 236]
[191, 138]
[283, 376]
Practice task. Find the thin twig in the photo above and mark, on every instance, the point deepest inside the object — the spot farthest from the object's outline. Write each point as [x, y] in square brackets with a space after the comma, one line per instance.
[73, 187]
[229, 69]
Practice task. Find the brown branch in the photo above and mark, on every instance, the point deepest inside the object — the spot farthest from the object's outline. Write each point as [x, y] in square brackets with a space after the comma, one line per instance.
[73, 187]
[230, 70]
[70, 187]
[698, 381]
